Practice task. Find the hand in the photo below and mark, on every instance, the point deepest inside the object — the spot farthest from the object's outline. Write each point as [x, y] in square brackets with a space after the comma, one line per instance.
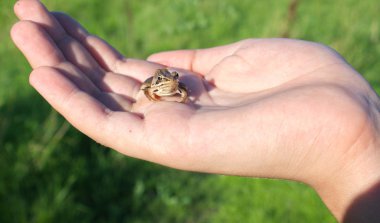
[261, 107]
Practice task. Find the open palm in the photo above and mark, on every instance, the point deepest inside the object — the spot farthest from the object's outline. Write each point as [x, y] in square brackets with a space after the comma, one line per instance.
[263, 107]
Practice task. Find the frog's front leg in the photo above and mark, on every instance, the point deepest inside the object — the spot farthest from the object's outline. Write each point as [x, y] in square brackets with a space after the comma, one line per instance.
[151, 95]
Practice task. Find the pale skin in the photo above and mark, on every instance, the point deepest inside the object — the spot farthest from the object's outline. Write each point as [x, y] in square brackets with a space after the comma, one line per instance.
[275, 108]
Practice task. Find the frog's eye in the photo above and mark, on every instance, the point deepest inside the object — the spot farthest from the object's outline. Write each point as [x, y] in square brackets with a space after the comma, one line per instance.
[175, 76]
[159, 78]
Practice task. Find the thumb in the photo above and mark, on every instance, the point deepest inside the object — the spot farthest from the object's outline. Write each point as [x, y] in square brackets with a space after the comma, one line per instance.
[183, 59]
[200, 61]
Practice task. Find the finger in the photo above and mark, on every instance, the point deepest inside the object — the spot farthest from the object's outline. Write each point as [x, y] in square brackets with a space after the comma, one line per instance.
[35, 11]
[116, 102]
[138, 69]
[109, 58]
[198, 60]
[120, 84]
[105, 54]
[112, 100]
[31, 38]
[119, 130]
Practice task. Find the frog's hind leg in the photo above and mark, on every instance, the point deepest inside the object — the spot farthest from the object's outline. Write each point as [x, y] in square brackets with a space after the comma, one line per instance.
[182, 90]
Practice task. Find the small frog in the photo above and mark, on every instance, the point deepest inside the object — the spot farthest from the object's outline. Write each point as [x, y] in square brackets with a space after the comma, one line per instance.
[164, 84]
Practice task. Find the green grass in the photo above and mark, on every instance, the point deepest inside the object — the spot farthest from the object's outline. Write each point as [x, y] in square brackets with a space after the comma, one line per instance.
[49, 172]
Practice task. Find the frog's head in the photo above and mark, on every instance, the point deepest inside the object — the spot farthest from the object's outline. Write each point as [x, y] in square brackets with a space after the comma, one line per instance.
[165, 82]
[164, 76]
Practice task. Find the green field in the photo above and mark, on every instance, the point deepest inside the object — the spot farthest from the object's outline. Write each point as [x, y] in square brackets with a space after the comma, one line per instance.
[50, 172]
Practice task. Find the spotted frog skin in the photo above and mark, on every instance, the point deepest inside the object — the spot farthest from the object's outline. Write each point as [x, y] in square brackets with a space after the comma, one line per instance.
[164, 84]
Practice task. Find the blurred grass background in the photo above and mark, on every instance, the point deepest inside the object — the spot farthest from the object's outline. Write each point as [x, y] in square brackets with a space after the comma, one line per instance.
[49, 172]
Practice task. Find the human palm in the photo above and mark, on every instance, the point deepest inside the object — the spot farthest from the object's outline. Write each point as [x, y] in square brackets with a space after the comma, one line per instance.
[263, 107]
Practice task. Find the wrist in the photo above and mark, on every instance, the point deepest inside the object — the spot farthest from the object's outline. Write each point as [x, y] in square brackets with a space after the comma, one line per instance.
[352, 192]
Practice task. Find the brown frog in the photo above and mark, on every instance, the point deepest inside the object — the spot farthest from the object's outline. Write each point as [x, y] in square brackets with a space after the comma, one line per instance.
[164, 84]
